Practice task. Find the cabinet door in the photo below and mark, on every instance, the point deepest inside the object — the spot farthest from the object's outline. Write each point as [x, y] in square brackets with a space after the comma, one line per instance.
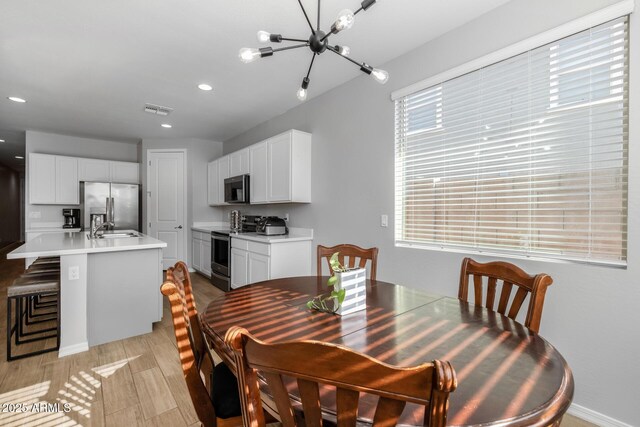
[279, 169]
[125, 172]
[258, 267]
[258, 172]
[205, 258]
[239, 264]
[67, 184]
[42, 179]
[196, 254]
[94, 170]
[239, 162]
[223, 173]
[213, 189]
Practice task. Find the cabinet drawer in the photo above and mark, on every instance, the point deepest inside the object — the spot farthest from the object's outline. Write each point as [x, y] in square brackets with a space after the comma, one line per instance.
[239, 244]
[199, 235]
[260, 248]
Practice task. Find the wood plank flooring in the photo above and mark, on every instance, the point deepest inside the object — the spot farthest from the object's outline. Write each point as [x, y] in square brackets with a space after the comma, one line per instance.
[132, 382]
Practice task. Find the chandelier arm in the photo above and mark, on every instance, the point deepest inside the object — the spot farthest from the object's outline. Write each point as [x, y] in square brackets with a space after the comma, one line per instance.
[294, 40]
[313, 58]
[318, 28]
[326, 36]
[306, 16]
[334, 50]
[295, 46]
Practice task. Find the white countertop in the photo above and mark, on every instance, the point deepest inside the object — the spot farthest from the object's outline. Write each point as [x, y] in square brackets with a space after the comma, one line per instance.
[72, 243]
[51, 230]
[295, 235]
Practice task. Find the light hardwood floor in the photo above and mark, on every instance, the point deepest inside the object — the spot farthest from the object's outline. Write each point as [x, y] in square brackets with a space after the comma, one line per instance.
[137, 381]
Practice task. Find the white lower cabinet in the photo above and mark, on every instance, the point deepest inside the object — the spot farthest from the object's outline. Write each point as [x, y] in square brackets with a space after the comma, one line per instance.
[253, 261]
[201, 252]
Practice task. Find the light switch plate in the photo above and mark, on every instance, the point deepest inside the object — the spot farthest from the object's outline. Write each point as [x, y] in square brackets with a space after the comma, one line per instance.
[74, 272]
[384, 220]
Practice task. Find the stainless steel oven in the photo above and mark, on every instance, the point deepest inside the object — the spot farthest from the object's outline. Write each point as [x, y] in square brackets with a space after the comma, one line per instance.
[221, 260]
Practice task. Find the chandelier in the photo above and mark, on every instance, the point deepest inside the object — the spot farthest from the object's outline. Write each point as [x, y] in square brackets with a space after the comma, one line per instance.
[318, 43]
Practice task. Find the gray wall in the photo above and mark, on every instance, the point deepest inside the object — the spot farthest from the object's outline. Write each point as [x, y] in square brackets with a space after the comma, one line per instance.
[64, 145]
[199, 154]
[591, 314]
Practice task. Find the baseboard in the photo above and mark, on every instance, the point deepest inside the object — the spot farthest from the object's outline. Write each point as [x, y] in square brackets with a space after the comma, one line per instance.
[595, 417]
[73, 349]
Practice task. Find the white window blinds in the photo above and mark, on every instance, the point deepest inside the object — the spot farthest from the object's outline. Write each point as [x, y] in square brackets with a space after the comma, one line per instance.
[526, 156]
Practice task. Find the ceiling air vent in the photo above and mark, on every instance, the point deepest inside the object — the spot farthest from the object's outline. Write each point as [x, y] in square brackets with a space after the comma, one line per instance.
[157, 109]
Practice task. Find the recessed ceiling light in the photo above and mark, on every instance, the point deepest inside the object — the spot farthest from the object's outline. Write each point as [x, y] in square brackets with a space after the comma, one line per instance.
[204, 86]
[16, 99]
[166, 125]
[19, 157]
[1, 140]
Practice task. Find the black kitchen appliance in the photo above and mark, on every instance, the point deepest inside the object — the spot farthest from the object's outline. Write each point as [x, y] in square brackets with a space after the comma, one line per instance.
[71, 218]
[236, 189]
[272, 226]
[221, 251]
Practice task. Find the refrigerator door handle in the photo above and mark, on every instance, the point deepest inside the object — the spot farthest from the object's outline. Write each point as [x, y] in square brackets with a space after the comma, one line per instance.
[113, 210]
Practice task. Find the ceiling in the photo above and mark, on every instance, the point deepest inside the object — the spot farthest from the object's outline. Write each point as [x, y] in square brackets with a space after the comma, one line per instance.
[87, 67]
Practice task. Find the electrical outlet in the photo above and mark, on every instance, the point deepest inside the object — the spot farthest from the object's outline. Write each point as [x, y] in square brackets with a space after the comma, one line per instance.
[384, 220]
[74, 272]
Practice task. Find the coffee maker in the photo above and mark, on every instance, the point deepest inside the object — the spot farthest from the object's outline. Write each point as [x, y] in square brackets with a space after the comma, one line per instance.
[71, 218]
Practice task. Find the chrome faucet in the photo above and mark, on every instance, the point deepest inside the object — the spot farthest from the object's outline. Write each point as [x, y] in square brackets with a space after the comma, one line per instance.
[97, 225]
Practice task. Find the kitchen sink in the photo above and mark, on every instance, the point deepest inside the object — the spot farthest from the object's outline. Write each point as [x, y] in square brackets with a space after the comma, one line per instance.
[116, 235]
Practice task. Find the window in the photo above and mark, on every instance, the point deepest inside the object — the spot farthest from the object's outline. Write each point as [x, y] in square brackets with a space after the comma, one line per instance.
[525, 156]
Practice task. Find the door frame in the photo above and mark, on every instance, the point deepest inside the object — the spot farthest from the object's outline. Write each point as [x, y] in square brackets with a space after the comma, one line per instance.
[185, 211]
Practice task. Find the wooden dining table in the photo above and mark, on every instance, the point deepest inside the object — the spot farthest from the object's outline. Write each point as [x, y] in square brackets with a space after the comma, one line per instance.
[507, 374]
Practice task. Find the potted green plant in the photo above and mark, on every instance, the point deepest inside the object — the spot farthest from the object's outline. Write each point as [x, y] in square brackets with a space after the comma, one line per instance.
[348, 290]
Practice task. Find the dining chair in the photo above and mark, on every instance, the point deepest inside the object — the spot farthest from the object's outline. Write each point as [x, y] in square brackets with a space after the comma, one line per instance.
[509, 275]
[314, 364]
[354, 255]
[215, 400]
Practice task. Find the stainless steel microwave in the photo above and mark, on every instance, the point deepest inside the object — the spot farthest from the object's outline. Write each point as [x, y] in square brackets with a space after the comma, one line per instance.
[236, 189]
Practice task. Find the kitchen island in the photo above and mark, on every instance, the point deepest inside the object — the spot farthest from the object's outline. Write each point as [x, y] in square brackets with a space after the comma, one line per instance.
[109, 288]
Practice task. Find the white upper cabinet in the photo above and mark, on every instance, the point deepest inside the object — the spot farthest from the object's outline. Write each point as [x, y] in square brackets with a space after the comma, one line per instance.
[279, 170]
[239, 162]
[94, 170]
[124, 172]
[213, 190]
[258, 173]
[67, 184]
[53, 180]
[42, 182]
[217, 172]
[223, 173]
[279, 167]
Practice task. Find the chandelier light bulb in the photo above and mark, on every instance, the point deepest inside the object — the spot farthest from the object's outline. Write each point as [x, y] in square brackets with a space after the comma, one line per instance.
[248, 54]
[264, 36]
[345, 20]
[344, 50]
[302, 94]
[381, 76]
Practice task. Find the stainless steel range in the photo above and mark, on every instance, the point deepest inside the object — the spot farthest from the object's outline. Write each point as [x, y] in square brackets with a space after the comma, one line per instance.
[221, 251]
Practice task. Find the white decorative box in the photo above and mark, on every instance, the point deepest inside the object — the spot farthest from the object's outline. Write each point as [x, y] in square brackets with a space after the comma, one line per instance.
[354, 282]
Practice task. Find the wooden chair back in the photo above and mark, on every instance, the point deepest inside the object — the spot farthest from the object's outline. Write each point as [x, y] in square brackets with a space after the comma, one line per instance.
[313, 363]
[194, 354]
[190, 369]
[510, 276]
[350, 256]
[179, 275]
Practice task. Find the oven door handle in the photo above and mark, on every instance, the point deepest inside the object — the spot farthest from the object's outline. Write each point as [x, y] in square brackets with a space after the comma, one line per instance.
[216, 236]
[219, 276]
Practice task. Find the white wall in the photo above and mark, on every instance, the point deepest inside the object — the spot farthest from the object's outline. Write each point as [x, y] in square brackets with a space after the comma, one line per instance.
[591, 314]
[199, 154]
[64, 145]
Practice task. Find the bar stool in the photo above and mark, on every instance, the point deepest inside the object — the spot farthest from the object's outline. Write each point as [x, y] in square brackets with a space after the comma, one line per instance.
[23, 292]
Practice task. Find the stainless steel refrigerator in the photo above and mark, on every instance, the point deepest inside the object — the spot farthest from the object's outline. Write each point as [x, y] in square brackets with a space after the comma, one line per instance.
[118, 202]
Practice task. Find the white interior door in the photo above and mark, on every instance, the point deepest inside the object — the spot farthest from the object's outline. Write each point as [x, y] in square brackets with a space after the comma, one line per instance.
[166, 199]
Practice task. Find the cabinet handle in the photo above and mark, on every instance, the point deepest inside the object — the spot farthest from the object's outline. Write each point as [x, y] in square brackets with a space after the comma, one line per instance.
[178, 227]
